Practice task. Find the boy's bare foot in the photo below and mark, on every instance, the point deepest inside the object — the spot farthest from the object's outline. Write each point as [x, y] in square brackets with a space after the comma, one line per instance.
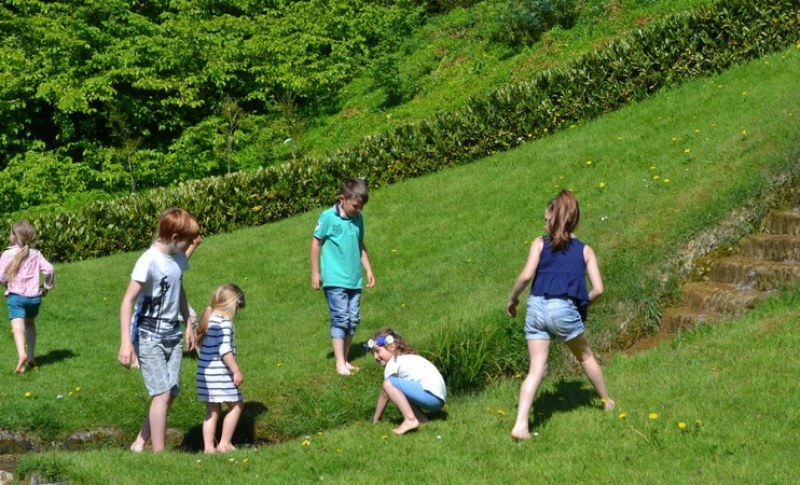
[608, 404]
[210, 451]
[406, 426]
[352, 368]
[520, 434]
[343, 371]
[137, 446]
[21, 364]
[225, 448]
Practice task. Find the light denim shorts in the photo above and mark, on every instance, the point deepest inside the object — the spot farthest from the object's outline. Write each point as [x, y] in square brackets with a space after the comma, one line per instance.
[160, 362]
[23, 306]
[415, 394]
[552, 317]
[345, 307]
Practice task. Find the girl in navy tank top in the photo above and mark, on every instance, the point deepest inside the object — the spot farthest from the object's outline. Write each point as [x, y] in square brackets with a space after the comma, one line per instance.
[558, 265]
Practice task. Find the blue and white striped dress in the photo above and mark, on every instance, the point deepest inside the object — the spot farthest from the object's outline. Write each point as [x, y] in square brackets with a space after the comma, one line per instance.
[214, 379]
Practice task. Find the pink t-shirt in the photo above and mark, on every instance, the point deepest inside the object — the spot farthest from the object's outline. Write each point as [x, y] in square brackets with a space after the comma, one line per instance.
[26, 282]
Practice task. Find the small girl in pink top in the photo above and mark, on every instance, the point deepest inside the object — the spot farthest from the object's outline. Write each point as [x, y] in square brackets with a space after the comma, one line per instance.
[20, 270]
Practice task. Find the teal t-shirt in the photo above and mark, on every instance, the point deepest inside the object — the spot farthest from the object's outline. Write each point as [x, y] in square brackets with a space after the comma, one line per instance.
[340, 239]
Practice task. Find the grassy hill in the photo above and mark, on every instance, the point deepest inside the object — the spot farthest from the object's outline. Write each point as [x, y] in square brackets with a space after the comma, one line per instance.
[446, 249]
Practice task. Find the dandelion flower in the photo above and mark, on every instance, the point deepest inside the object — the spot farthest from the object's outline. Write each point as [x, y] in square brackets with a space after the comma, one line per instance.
[305, 442]
[501, 412]
[280, 364]
[623, 415]
[656, 177]
[231, 460]
[681, 425]
[245, 460]
[588, 163]
[319, 433]
[28, 394]
[602, 185]
[674, 138]
[686, 151]
[744, 93]
[697, 131]
[78, 389]
[385, 437]
[666, 181]
[653, 415]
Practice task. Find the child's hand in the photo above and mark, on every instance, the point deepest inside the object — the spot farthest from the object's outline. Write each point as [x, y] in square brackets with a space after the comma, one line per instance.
[316, 281]
[511, 308]
[238, 377]
[191, 343]
[125, 356]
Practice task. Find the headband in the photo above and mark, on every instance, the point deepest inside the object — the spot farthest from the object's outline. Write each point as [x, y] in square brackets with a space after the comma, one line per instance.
[379, 341]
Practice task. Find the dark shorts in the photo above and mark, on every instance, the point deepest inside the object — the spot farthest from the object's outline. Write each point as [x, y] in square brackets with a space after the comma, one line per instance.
[23, 306]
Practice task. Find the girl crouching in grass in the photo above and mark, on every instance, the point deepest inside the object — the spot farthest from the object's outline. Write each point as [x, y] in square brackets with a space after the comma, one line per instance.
[411, 381]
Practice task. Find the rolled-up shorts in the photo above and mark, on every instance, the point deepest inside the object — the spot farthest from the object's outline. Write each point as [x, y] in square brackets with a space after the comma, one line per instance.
[345, 307]
[552, 317]
[23, 306]
[160, 362]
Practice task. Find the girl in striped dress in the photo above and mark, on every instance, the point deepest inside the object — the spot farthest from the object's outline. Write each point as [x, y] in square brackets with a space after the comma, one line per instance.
[218, 374]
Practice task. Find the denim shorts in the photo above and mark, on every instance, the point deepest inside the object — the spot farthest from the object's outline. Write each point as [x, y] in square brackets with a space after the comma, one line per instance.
[416, 395]
[23, 306]
[345, 307]
[552, 317]
[160, 362]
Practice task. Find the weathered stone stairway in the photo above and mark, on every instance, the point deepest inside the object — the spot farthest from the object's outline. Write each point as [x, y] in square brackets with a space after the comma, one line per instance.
[764, 263]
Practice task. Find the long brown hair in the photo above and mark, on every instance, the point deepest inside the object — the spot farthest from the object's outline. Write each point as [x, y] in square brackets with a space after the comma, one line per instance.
[229, 298]
[564, 215]
[25, 235]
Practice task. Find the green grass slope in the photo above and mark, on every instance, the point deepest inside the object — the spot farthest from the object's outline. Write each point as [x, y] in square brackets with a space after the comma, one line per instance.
[446, 249]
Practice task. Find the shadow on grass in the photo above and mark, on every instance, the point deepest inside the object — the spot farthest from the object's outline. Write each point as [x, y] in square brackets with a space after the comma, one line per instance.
[245, 429]
[566, 396]
[54, 356]
[357, 351]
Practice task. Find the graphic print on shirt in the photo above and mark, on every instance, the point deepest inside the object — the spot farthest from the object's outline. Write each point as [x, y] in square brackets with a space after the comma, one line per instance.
[150, 312]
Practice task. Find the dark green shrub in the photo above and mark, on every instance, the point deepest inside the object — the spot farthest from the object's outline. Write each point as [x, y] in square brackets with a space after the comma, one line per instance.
[524, 21]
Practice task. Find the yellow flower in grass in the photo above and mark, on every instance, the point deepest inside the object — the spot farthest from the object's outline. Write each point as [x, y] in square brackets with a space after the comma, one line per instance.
[697, 131]
[245, 460]
[656, 177]
[653, 416]
[682, 425]
[588, 163]
[602, 185]
[686, 151]
[28, 394]
[501, 412]
[623, 415]
[666, 181]
[305, 442]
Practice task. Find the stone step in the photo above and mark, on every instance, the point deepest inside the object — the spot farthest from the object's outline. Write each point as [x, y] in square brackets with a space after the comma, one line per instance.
[784, 222]
[752, 274]
[774, 247]
[720, 297]
[684, 318]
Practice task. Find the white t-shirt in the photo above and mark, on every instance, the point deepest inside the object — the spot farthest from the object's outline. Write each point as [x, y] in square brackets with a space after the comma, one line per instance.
[158, 304]
[417, 368]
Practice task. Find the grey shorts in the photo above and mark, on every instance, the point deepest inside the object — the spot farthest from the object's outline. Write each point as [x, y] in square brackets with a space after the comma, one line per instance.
[160, 362]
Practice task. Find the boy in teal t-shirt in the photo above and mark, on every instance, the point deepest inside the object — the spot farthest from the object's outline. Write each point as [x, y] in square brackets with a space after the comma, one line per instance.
[338, 249]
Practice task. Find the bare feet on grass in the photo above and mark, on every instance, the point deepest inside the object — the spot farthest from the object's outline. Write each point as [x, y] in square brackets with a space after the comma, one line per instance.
[407, 426]
[520, 434]
[20, 369]
[351, 367]
[137, 446]
[225, 448]
[343, 371]
[608, 404]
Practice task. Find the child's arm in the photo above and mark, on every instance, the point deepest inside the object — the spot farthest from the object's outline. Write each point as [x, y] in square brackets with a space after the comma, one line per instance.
[196, 242]
[593, 271]
[525, 276]
[189, 336]
[49, 274]
[367, 266]
[316, 279]
[126, 356]
[380, 406]
[230, 361]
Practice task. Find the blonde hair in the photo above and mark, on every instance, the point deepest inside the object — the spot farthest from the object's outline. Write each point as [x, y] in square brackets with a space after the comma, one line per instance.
[228, 298]
[25, 235]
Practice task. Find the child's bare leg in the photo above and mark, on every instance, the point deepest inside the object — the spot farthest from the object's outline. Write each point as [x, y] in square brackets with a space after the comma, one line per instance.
[583, 352]
[18, 328]
[340, 356]
[410, 420]
[210, 427]
[159, 407]
[348, 342]
[538, 352]
[229, 426]
[141, 439]
[30, 338]
[419, 414]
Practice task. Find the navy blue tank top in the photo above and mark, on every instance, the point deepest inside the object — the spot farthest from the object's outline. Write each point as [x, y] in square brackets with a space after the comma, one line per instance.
[563, 274]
